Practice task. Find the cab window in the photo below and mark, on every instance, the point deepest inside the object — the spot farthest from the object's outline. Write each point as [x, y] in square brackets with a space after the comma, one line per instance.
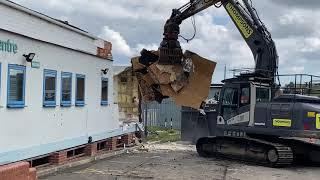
[263, 95]
[245, 96]
[230, 103]
[230, 97]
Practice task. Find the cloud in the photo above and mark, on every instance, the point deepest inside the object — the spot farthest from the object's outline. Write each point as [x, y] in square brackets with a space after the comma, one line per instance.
[219, 43]
[120, 45]
[139, 47]
[142, 9]
[310, 4]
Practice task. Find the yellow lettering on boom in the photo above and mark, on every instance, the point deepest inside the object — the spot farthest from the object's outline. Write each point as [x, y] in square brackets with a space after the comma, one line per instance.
[244, 27]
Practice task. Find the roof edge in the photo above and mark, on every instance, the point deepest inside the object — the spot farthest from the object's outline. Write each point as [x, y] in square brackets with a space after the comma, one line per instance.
[46, 18]
[64, 47]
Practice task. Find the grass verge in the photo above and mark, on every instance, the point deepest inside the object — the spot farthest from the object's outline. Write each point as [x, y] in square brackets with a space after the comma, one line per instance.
[163, 134]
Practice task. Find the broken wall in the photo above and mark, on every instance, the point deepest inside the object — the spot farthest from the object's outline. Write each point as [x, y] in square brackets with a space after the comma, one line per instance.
[127, 96]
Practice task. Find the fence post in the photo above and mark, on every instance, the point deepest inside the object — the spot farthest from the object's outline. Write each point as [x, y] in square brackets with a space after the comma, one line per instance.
[146, 120]
[165, 122]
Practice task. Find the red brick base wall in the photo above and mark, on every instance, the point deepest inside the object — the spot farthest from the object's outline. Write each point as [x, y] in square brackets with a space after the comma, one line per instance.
[32, 174]
[22, 170]
[112, 143]
[18, 171]
[58, 158]
[129, 139]
[91, 149]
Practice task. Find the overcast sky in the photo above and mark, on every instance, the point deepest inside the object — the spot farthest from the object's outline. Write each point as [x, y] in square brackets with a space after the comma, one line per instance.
[135, 24]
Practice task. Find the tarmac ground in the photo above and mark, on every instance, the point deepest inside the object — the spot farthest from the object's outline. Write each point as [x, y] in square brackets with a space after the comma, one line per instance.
[179, 161]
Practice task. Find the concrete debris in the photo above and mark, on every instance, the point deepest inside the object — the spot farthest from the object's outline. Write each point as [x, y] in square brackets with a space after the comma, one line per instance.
[212, 101]
[187, 83]
[171, 146]
[141, 147]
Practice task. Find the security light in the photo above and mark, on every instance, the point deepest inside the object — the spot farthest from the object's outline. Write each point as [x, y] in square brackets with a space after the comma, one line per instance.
[105, 71]
[29, 57]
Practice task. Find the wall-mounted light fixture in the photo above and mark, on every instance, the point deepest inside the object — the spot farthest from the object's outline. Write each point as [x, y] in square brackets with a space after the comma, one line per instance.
[29, 57]
[105, 71]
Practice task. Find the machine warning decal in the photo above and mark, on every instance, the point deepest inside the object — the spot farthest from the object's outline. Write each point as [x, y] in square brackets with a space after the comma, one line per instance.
[311, 114]
[244, 27]
[318, 121]
[282, 122]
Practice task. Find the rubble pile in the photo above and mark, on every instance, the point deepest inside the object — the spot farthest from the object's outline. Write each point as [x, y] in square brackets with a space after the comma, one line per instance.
[187, 83]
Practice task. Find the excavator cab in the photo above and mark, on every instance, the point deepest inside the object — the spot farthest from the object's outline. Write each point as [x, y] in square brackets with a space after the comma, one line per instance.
[250, 104]
[238, 99]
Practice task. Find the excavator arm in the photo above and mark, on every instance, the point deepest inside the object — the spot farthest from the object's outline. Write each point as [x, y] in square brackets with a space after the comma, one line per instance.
[247, 22]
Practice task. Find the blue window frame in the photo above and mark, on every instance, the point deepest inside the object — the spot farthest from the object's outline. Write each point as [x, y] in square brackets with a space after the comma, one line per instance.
[16, 86]
[49, 88]
[66, 89]
[104, 91]
[0, 78]
[80, 89]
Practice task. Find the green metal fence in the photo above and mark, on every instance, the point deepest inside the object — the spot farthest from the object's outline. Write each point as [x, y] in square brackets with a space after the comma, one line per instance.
[167, 114]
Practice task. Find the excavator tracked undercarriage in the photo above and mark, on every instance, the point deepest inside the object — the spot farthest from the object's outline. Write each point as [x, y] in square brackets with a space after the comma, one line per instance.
[246, 149]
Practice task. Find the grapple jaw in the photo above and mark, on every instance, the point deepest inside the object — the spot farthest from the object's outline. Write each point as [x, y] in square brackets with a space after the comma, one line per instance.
[170, 51]
[170, 56]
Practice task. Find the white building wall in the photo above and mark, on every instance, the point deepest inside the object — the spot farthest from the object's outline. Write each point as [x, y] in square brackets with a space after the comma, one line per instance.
[35, 130]
[29, 25]
[115, 89]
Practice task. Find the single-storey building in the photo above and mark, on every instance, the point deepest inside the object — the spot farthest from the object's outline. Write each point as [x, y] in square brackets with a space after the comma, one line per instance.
[56, 85]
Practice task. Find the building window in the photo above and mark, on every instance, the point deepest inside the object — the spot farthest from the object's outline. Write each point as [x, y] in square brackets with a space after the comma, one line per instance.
[16, 86]
[49, 90]
[80, 89]
[66, 89]
[104, 92]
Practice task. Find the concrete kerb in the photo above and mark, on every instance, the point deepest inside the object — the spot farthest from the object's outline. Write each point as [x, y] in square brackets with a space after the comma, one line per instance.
[46, 171]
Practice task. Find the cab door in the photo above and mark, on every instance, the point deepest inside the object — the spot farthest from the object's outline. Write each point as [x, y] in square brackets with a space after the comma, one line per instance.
[230, 102]
[261, 106]
[235, 104]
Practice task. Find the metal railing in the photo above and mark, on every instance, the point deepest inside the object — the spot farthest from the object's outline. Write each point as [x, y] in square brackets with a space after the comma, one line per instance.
[304, 84]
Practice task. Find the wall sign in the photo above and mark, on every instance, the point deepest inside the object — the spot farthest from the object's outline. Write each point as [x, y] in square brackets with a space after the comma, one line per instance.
[35, 64]
[8, 46]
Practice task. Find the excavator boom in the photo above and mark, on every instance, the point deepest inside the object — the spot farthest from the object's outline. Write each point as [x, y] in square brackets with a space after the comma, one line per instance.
[247, 22]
